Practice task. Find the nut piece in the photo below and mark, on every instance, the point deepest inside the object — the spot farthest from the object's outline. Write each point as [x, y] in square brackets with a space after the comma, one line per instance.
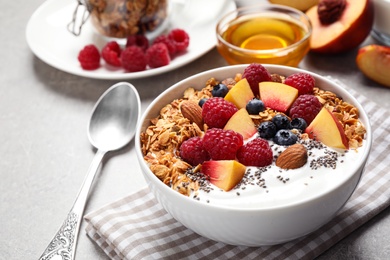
[295, 156]
[330, 11]
[193, 112]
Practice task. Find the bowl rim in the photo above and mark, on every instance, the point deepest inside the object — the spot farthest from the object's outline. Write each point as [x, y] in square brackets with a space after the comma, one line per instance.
[341, 91]
[269, 51]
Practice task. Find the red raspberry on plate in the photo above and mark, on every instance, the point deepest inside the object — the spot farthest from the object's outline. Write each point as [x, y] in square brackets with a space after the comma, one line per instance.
[222, 144]
[111, 53]
[217, 111]
[302, 81]
[306, 107]
[158, 55]
[254, 74]
[255, 153]
[180, 38]
[193, 152]
[89, 57]
[139, 40]
[170, 45]
[133, 59]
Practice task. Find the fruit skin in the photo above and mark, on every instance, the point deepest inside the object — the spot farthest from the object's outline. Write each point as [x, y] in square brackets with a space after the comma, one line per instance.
[328, 130]
[285, 137]
[241, 123]
[306, 107]
[170, 45]
[225, 174]
[256, 73]
[111, 53]
[267, 130]
[222, 144]
[281, 121]
[180, 39]
[138, 40]
[298, 123]
[217, 111]
[133, 59]
[255, 106]
[304, 82]
[347, 33]
[240, 94]
[374, 61]
[255, 153]
[277, 96]
[193, 152]
[157, 55]
[302, 5]
[219, 90]
[89, 57]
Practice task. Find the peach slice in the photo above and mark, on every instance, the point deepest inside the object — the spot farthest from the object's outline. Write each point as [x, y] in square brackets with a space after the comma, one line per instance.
[327, 129]
[374, 61]
[224, 174]
[346, 32]
[277, 96]
[240, 94]
[241, 123]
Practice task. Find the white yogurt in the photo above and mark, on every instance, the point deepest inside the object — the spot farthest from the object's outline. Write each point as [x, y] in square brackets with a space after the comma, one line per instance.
[278, 187]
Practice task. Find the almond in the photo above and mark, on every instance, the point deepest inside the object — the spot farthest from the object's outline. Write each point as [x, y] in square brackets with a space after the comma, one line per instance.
[295, 156]
[193, 112]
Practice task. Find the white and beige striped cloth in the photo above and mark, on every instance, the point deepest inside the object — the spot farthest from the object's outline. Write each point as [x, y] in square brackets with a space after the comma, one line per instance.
[137, 227]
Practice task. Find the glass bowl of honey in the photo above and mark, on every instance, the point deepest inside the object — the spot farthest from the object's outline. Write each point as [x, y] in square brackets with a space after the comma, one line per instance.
[267, 34]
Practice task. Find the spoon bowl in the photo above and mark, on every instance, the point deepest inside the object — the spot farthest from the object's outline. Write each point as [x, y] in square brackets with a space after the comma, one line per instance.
[111, 127]
[112, 124]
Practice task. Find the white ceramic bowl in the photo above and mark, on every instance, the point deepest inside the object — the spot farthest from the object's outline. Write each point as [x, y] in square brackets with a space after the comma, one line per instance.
[252, 227]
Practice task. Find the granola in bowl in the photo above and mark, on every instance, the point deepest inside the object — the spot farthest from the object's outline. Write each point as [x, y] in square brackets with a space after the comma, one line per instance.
[266, 201]
[162, 140]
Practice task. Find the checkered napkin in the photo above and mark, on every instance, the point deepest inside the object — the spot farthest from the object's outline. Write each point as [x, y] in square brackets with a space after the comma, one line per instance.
[137, 227]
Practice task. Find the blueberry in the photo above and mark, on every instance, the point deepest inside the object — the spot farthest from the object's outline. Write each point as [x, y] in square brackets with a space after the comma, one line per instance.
[219, 90]
[202, 101]
[285, 137]
[298, 123]
[281, 121]
[267, 130]
[255, 106]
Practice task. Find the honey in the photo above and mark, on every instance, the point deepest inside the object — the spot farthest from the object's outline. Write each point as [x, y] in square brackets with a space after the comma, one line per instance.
[264, 39]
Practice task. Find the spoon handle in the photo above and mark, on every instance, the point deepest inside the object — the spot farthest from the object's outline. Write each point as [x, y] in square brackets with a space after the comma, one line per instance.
[63, 244]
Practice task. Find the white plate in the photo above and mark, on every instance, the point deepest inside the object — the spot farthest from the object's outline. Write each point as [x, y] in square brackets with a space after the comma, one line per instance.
[49, 39]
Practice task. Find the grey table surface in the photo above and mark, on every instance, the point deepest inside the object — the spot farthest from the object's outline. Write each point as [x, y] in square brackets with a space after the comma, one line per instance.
[45, 152]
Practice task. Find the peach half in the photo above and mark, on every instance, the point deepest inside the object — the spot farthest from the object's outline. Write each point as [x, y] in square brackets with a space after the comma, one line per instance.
[374, 61]
[349, 29]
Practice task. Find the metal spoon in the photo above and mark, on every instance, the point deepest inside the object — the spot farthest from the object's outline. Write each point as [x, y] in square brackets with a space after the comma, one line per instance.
[111, 127]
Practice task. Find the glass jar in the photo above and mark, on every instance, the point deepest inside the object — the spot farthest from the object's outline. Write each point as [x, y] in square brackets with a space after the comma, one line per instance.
[122, 18]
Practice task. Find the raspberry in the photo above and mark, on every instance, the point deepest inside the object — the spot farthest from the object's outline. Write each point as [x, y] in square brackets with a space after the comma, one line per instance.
[256, 73]
[255, 153]
[133, 59]
[217, 111]
[89, 57]
[111, 53]
[302, 81]
[158, 55]
[222, 144]
[193, 152]
[170, 45]
[138, 40]
[306, 107]
[180, 38]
